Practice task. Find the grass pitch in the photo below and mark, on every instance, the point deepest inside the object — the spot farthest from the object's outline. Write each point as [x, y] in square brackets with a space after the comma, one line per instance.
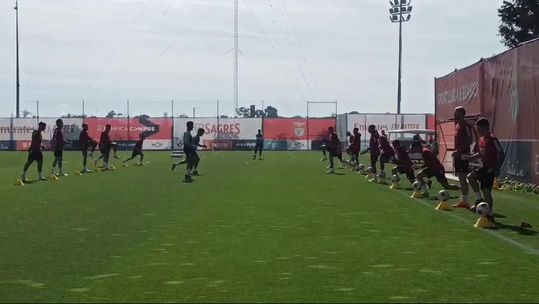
[277, 230]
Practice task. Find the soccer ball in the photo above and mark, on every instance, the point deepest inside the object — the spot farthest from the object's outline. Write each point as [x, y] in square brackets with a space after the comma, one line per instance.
[395, 179]
[482, 209]
[370, 170]
[443, 196]
[361, 168]
[417, 186]
[381, 175]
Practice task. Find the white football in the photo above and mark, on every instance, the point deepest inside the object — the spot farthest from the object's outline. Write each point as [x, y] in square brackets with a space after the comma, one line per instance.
[443, 195]
[382, 174]
[482, 209]
[361, 168]
[417, 186]
[395, 178]
[370, 170]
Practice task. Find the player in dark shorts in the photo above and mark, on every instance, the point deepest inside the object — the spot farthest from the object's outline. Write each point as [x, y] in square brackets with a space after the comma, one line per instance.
[35, 153]
[491, 155]
[433, 168]
[196, 144]
[324, 148]
[355, 147]
[386, 152]
[137, 150]
[58, 144]
[105, 145]
[334, 149]
[190, 151]
[259, 145]
[374, 147]
[404, 164]
[463, 141]
[86, 143]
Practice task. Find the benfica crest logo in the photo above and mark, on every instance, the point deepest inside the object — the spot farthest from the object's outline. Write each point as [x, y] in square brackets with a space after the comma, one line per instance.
[299, 128]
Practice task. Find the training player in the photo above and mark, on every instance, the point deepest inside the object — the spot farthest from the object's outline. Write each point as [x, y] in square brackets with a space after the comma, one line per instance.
[86, 143]
[463, 142]
[432, 168]
[334, 147]
[355, 147]
[324, 148]
[196, 144]
[58, 144]
[386, 152]
[404, 164]
[189, 150]
[35, 153]
[490, 151]
[259, 145]
[137, 150]
[105, 145]
[373, 148]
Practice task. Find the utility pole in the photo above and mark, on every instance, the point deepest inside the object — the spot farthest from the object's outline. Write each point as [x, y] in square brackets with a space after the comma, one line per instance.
[236, 50]
[17, 46]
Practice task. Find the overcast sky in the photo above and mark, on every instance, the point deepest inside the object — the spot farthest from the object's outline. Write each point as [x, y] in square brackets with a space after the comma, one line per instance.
[153, 51]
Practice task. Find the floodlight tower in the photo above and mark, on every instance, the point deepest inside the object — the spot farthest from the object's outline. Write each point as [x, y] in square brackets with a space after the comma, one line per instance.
[400, 11]
[17, 55]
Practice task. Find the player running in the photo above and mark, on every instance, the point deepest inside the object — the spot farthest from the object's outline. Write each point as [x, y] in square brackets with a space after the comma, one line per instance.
[334, 147]
[86, 143]
[386, 152]
[196, 144]
[189, 150]
[463, 142]
[374, 147]
[259, 145]
[58, 144]
[105, 145]
[137, 150]
[491, 155]
[402, 159]
[35, 153]
[355, 147]
[324, 148]
[432, 168]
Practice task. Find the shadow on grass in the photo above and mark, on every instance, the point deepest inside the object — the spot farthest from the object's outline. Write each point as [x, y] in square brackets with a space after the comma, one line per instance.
[517, 229]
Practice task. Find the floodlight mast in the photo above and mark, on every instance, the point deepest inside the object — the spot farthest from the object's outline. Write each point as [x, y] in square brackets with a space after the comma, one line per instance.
[400, 11]
[18, 85]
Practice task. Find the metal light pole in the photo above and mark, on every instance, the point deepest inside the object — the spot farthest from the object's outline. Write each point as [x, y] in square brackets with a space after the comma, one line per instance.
[17, 46]
[400, 11]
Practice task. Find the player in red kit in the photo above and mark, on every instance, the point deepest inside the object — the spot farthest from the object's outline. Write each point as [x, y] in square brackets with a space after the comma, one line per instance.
[386, 152]
[433, 168]
[334, 147]
[105, 145]
[86, 143]
[404, 164]
[356, 146]
[137, 150]
[463, 142]
[374, 147]
[35, 153]
[491, 155]
[58, 143]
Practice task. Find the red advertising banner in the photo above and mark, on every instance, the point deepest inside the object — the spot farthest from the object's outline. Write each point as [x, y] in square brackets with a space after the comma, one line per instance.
[460, 88]
[297, 129]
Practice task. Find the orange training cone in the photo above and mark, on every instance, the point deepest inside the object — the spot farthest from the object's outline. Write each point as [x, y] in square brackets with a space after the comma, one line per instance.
[483, 222]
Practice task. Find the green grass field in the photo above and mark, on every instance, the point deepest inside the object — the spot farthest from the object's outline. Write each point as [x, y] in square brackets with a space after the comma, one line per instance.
[277, 230]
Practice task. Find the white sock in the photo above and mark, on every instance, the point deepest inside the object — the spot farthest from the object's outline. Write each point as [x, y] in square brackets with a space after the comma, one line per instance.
[478, 195]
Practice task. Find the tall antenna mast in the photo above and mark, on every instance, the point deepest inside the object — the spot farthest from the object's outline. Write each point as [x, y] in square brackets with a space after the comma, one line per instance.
[236, 50]
[17, 46]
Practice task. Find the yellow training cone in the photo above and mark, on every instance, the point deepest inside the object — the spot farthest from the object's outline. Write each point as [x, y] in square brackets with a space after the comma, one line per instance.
[53, 177]
[77, 173]
[416, 194]
[483, 222]
[395, 186]
[18, 182]
[443, 206]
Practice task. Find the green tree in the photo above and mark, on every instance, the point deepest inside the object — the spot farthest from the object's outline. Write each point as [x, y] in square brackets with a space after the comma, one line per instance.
[271, 112]
[519, 21]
